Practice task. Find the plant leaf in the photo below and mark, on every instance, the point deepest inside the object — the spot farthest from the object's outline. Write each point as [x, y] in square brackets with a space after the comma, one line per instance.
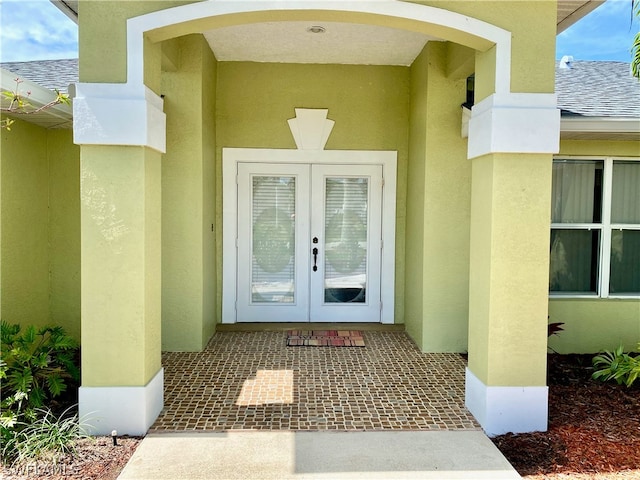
[36, 397]
[56, 385]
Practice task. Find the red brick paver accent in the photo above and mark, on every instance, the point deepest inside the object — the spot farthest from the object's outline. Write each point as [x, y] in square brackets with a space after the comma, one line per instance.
[253, 381]
[325, 338]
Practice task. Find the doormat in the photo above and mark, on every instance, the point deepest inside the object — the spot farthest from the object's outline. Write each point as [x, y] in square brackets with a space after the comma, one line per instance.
[325, 338]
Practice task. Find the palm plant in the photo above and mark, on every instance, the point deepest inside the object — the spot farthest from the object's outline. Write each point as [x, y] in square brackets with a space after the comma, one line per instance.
[635, 46]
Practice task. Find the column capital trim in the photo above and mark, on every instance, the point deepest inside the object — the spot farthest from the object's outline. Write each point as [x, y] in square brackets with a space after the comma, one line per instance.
[514, 123]
[118, 114]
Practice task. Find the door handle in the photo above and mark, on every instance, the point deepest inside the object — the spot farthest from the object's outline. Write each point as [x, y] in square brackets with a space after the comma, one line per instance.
[315, 258]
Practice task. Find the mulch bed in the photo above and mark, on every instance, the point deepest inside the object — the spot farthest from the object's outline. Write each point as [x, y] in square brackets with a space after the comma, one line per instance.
[594, 428]
[96, 459]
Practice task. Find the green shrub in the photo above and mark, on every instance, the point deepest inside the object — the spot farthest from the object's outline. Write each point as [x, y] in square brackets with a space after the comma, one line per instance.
[46, 438]
[617, 365]
[35, 367]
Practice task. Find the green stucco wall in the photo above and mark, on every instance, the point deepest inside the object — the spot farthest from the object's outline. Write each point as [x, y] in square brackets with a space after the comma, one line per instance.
[188, 197]
[415, 224]
[599, 148]
[438, 208]
[64, 230]
[533, 27]
[509, 268]
[209, 198]
[102, 36]
[121, 258]
[591, 325]
[369, 104]
[40, 274]
[25, 219]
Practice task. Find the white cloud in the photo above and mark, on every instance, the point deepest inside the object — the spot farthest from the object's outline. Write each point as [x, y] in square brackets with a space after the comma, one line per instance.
[35, 30]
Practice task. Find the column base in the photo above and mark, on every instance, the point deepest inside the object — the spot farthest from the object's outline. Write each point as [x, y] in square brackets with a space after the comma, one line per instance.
[128, 410]
[507, 409]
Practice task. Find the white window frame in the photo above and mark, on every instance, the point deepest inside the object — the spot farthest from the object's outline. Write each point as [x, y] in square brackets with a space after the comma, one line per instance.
[605, 227]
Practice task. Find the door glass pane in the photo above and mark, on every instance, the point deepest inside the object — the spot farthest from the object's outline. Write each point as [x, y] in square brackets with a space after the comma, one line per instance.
[574, 261]
[625, 261]
[625, 194]
[576, 192]
[273, 240]
[345, 236]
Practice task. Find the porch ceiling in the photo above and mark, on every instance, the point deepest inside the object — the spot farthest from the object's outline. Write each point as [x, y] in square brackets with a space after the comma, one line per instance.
[319, 42]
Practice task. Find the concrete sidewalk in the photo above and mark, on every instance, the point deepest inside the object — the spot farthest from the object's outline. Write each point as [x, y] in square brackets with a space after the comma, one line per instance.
[280, 455]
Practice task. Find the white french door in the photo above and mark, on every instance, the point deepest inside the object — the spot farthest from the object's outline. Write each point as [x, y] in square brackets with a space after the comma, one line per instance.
[309, 242]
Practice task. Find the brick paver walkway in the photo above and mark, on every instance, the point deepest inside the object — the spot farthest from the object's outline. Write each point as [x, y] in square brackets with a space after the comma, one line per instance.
[254, 381]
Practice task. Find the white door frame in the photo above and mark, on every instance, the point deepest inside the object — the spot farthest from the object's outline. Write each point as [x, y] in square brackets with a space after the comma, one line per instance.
[230, 159]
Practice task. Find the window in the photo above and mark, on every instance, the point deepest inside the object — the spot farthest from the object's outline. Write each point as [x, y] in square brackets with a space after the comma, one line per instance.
[595, 228]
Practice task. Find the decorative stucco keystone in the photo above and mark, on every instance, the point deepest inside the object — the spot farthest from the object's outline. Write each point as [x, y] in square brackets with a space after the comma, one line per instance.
[311, 128]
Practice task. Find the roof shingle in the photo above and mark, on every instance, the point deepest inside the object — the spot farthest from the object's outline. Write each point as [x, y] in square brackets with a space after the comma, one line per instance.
[51, 74]
[598, 89]
[587, 88]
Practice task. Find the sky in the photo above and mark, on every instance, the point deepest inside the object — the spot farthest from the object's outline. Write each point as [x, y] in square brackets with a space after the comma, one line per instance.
[37, 30]
[604, 34]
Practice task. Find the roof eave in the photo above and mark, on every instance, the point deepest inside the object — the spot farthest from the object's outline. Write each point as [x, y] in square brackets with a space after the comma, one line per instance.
[69, 8]
[56, 116]
[600, 128]
[600, 124]
[581, 10]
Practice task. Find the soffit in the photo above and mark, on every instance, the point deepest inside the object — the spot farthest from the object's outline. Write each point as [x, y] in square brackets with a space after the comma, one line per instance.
[336, 43]
[570, 11]
[68, 7]
[600, 136]
[56, 116]
[599, 128]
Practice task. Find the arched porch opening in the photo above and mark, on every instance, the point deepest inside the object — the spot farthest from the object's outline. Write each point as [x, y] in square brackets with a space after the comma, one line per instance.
[491, 131]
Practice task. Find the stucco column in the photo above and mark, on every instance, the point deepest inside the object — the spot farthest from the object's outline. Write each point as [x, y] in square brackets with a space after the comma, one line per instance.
[510, 147]
[122, 377]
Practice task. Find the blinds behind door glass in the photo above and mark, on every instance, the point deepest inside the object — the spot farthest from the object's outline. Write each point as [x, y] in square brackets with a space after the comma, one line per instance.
[273, 240]
[346, 217]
